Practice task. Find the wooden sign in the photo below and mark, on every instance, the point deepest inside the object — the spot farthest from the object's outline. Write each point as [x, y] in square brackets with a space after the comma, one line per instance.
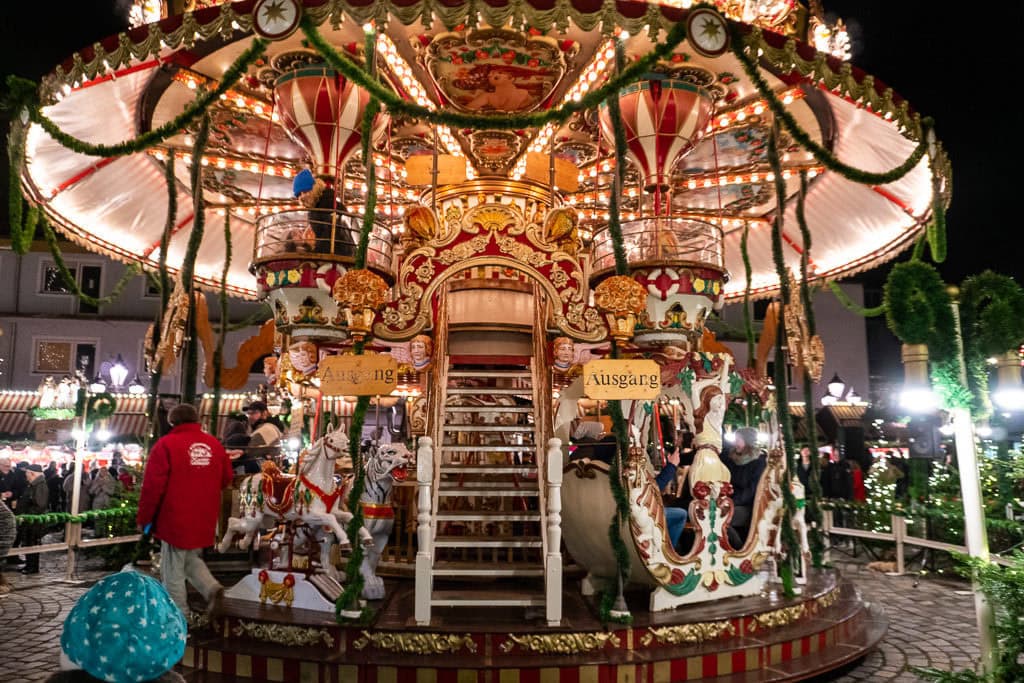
[450, 169]
[622, 379]
[538, 167]
[369, 375]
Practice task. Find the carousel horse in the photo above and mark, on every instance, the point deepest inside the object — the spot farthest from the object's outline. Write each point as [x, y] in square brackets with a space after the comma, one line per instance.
[385, 465]
[311, 496]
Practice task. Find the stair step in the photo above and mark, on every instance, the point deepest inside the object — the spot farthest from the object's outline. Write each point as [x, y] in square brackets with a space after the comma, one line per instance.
[488, 428]
[489, 373]
[487, 542]
[489, 449]
[459, 468]
[461, 598]
[459, 492]
[489, 391]
[526, 485]
[488, 409]
[446, 569]
[486, 516]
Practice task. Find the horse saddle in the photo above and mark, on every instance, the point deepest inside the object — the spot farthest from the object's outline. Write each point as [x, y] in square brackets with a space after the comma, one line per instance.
[277, 486]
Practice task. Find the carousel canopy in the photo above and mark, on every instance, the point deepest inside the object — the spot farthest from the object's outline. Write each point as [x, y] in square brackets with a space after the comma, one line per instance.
[478, 58]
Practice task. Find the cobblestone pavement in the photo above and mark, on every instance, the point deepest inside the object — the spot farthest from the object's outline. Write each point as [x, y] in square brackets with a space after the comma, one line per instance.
[930, 624]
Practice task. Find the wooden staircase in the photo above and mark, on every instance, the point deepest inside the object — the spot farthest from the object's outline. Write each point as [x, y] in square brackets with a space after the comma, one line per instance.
[488, 499]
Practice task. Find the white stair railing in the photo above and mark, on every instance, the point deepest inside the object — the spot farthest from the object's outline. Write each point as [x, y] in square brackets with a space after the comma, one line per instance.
[553, 556]
[424, 530]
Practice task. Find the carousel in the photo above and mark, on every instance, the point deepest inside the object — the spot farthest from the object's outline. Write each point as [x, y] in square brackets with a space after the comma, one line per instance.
[495, 232]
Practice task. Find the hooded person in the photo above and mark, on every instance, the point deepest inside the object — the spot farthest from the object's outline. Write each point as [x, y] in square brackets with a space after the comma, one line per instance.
[125, 629]
[746, 463]
[330, 227]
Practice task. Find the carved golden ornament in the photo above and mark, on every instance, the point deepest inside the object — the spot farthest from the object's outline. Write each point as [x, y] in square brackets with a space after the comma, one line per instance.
[360, 294]
[560, 229]
[417, 643]
[283, 634]
[172, 327]
[781, 617]
[688, 633]
[421, 223]
[561, 643]
[828, 599]
[806, 350]
[277, 593]
[620, 299]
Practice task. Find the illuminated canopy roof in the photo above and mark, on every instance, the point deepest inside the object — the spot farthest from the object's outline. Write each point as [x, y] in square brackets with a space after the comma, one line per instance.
[138, 81]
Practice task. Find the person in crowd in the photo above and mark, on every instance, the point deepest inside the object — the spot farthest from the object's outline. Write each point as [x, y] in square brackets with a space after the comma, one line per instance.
[124, 629]
[8, 532]
[592, 441]
[675, 515]
[746, 463]
[102, 488]
[803, 468]
[236, 443]
[265, 437]
[84, 499]
[35, 500]
[314, 194]
[857, 491]
[125, 478]
[10, 482]
[53, 483]
[180, 500]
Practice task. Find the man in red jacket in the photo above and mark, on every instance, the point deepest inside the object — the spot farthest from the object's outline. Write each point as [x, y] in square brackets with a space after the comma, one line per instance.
[185, 473]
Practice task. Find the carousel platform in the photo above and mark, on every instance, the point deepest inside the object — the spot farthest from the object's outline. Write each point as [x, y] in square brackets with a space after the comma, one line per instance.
[760, 638]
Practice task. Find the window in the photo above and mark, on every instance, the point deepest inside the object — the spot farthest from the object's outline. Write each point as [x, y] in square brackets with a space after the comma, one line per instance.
[53, 283]
[64, 357]
[152, 288]
[760, 308]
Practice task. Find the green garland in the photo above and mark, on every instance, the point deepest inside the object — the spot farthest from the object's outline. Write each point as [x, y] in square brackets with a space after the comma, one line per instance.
[349, 598]
[218, 352]
[397, 106]
[851, 305]
[918, 308]
[614, 219]
[992, 323]
[748, 318]
[188, 263]
[130, 271]
[366, 140]
[789, 539]
[813, 495]
[21, 98]
[100, 407]
[50, 518]
[191, 113]
[164, 283]
[824, 157]
[936, 231]
[622, 562]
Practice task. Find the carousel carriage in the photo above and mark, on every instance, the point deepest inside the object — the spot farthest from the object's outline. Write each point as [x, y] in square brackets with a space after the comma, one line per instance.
[506, 165]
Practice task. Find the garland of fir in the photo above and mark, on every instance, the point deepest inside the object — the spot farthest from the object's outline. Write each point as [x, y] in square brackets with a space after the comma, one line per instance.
[130, 271]
[50, 518]
[919, 311]
[992, 322]
[813, 495]
[400, 107]
[189, 115]
[618, 180]
[748, 319]
[785, 420]
[218, 352]
[260, 316]
[824, 156]
[349, 598]
[851, 305]
[164, 284]
[188, 264]
[20, 99]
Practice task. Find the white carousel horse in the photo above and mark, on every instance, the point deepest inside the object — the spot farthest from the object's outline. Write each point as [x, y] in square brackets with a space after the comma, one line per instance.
[385, 464]
[312, 496]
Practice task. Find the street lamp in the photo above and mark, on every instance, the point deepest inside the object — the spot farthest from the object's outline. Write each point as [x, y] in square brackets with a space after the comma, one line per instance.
[917, 395]
[118, 373]
[136, 388]
[1010, 394]
[836, 386]
[97, 385]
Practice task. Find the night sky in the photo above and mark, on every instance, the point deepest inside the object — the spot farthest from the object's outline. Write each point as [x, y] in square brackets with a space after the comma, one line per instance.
[950, 67]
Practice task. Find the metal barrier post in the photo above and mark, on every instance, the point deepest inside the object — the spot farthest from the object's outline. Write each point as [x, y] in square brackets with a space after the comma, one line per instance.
[899, 531]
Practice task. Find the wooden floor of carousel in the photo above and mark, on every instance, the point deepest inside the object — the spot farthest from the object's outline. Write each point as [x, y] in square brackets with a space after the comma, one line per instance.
[758, 638]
